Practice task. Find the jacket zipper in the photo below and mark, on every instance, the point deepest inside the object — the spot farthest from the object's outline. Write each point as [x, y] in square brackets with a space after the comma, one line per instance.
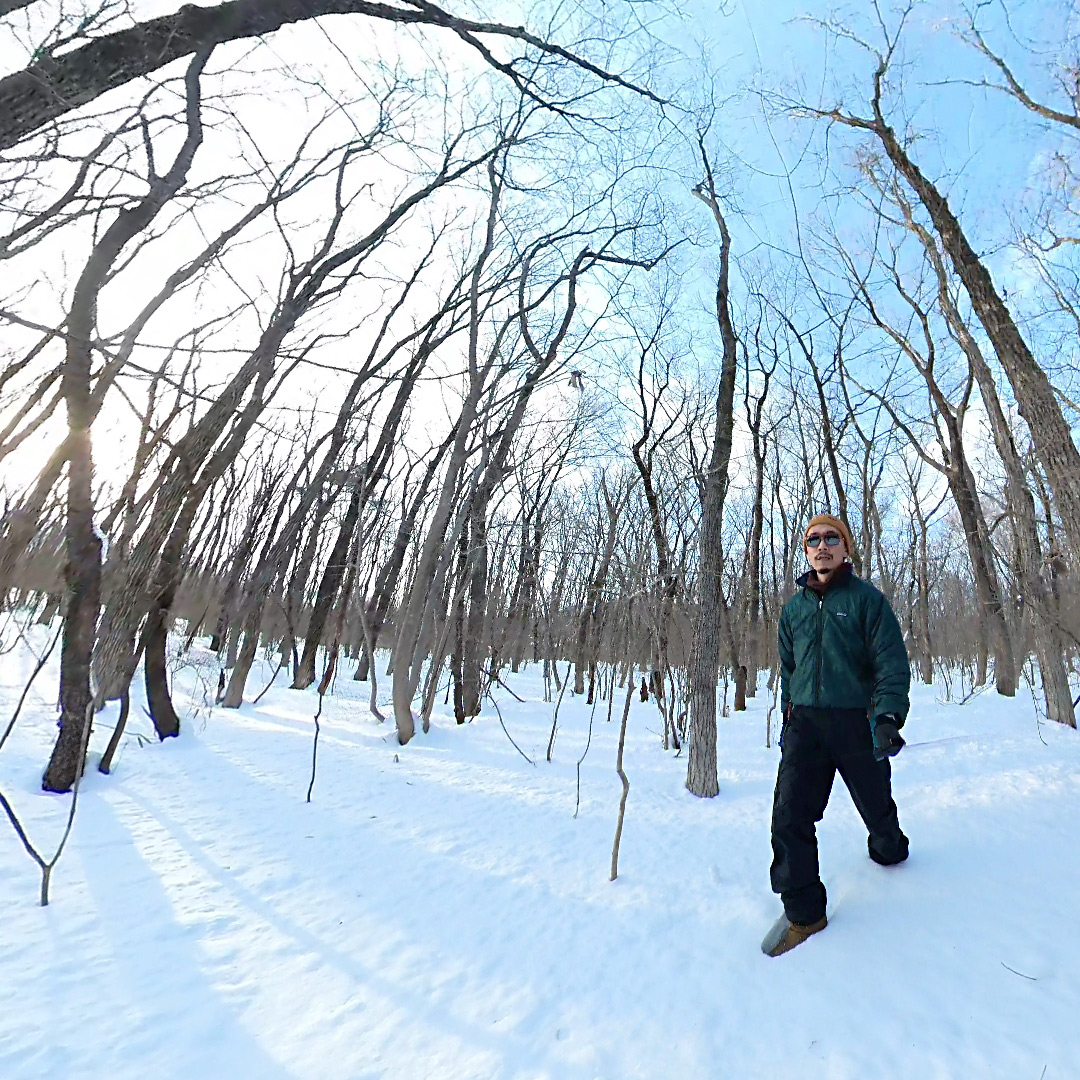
[820, 646]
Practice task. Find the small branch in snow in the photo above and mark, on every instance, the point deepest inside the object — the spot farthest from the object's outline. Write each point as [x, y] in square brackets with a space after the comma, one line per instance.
[775, 682]
[314, 750]
[498, 713]
[271, 682]
[622, 777]
[324, 685]
[558, 705]
[1030, 978]
[588, 743]
[508, 690]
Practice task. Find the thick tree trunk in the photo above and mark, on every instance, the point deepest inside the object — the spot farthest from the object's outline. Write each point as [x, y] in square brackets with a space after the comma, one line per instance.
[83, 545]
[234, 693]
[987, 586]
[474, 645]
[83, 602]
[55, 85]
[1040, 601]
[329, 585]
[701, 777]
[155, 672]
[1049, 645]
[457, 652]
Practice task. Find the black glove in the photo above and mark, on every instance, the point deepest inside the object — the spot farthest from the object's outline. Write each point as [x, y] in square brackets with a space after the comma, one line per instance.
[887, 739]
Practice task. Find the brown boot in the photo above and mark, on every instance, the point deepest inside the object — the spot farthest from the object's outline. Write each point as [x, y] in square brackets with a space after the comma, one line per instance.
[785, 935]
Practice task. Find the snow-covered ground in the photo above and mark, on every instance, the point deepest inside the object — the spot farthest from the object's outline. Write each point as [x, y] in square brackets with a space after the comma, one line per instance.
[438, 911]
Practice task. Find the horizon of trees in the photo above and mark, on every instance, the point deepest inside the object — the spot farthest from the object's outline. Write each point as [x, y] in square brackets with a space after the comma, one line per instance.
[417, 362]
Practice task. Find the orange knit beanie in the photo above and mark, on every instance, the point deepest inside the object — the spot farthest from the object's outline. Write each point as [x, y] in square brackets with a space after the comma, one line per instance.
[832, 522]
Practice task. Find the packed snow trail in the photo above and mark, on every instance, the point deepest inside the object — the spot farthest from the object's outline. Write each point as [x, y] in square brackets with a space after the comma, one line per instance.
[438, 912]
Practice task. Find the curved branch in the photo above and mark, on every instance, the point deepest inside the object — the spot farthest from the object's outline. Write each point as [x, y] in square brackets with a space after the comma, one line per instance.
[53, 86]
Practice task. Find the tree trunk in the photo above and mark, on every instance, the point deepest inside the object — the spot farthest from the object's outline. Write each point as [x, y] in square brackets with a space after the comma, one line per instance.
[155, 672]
[474, 644]
[458, 650]
[701, 777]
[329, 585]
[234, 694]
[992, 619]
[83, 546]
[83, 601]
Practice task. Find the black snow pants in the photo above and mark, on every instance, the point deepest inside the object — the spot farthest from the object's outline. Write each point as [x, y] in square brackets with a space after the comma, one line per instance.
[815, 745]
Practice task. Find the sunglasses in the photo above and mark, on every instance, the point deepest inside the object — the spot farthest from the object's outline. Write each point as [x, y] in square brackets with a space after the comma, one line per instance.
[831, 540]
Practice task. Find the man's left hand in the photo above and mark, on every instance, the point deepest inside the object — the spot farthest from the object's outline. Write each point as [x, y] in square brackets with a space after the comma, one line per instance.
[888, 741]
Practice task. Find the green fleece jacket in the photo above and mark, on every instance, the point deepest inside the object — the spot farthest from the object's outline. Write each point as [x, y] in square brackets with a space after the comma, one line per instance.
[843, 649]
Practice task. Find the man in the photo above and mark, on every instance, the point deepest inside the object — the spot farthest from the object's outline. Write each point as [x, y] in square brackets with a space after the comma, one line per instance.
[842, 663]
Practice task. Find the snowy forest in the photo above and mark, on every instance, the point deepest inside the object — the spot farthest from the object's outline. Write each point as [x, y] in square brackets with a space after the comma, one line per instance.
[395, 390]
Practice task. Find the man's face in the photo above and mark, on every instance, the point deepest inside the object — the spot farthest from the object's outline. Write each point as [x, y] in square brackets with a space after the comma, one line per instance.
[824, 557]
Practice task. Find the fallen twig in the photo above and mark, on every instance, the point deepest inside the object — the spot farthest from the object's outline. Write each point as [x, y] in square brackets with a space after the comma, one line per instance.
[270, 683]
[558, 705]
[498, 712]
[622, 777]
[1030, 978]
[588, 743]
[508, 690]
[324, 685]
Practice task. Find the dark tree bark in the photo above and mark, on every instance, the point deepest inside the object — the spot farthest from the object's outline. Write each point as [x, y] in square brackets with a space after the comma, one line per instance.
[54, 85]
[701, 778]
[643, 450]
[83, 546]
[457, 652]
[760, 438]
[327, 592]
[155, 672]
[474, 644]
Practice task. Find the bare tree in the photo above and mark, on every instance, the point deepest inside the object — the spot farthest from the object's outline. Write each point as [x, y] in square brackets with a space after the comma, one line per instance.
[83, 545]
[61, 81]
[713, 618]
[1034, 394]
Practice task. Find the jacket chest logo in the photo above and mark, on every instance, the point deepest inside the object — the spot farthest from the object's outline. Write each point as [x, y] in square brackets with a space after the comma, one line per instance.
[840, 614]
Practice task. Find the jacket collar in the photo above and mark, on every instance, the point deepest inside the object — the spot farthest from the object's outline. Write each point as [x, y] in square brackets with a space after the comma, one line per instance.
[840, 578]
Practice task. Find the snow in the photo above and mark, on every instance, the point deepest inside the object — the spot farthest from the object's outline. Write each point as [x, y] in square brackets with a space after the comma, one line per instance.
[438, 911]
